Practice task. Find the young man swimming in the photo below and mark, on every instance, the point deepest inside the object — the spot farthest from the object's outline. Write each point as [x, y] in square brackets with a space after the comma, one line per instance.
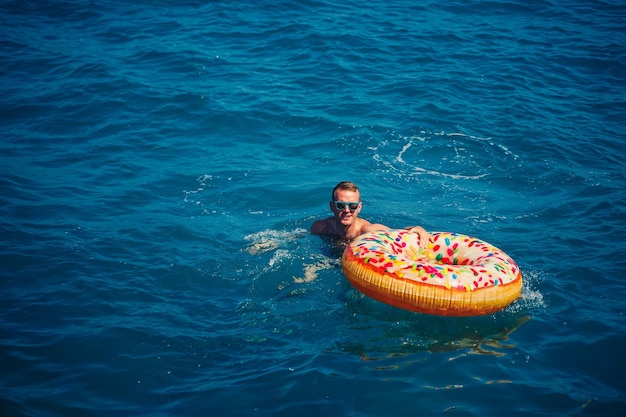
[346, 224]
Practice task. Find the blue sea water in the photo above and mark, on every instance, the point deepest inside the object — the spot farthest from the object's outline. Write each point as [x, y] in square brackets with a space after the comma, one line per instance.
[162, 162]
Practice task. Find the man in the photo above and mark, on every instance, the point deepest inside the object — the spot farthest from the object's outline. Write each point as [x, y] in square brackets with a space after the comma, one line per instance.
[345, 223]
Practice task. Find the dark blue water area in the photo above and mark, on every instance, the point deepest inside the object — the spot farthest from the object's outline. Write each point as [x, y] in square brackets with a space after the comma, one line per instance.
[162, 163]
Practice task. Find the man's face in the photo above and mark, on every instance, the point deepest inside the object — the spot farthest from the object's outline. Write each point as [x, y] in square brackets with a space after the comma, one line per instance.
[346, 216]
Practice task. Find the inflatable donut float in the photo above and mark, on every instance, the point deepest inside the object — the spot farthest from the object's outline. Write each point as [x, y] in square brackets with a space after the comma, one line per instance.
[455, 275]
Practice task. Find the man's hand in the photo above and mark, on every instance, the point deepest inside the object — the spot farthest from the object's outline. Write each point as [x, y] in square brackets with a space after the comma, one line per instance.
[424, 236]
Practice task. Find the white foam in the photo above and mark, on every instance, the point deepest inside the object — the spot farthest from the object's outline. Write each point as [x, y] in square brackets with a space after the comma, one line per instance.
[531, 298]
[278, 256]
[404, 149]
[268, 240]
[202, 180]
[461, 153]
[421, 171]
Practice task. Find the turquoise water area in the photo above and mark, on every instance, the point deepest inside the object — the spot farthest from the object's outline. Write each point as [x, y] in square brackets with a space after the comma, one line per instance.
[162, 163]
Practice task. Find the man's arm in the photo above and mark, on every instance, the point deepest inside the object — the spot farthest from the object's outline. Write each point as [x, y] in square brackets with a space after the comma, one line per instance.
[373, 227]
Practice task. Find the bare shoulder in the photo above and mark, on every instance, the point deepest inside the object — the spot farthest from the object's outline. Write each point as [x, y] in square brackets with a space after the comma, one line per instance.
[372, 227]
[366, 227]
[322, 227]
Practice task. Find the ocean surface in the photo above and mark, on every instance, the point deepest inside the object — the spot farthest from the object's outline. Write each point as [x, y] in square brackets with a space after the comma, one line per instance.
[162, 162]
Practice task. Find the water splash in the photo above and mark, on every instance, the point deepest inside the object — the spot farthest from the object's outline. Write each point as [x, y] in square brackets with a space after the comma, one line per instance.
[269, 240]
[531, 298]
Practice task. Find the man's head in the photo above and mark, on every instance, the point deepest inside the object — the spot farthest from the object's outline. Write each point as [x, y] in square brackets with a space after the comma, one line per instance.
[345, 186]
[346, 202]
